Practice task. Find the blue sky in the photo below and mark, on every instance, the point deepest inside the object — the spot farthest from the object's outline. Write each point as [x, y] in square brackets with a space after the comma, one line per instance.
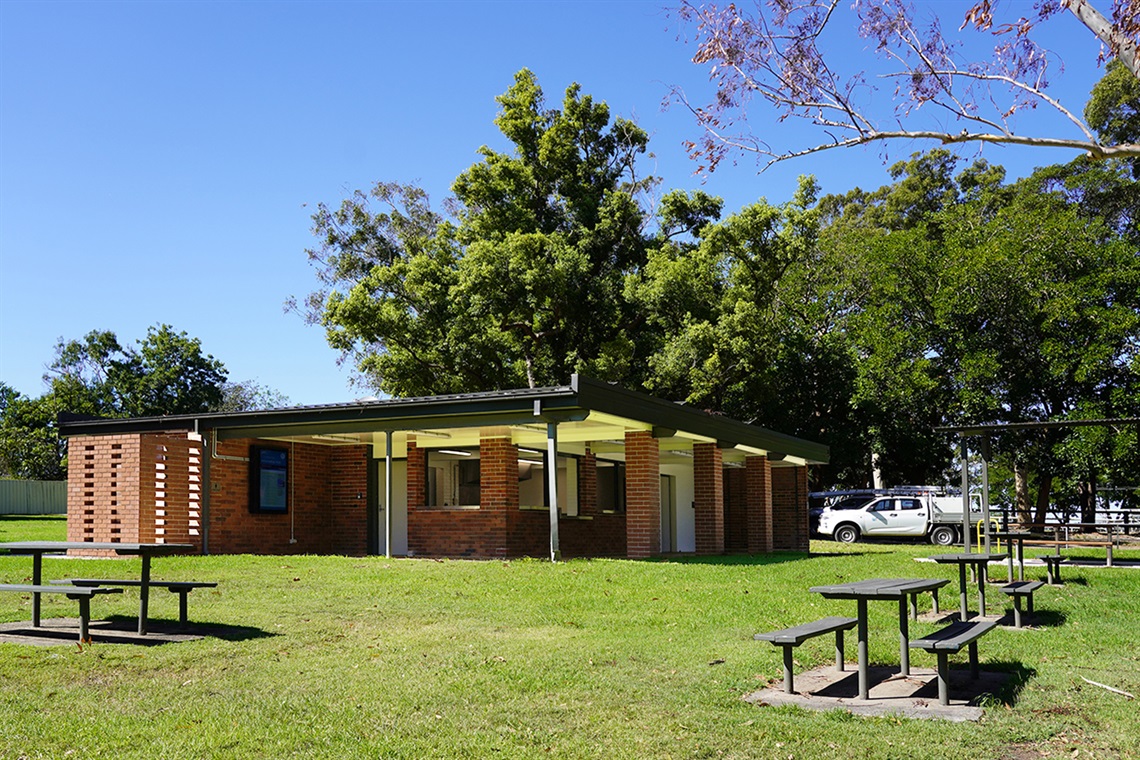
[159, 161]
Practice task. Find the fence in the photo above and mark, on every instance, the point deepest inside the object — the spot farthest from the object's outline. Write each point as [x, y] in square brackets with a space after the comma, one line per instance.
[33, 497]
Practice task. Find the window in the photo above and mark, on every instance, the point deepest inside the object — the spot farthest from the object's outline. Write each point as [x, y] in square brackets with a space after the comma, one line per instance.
[534, 491]
[910, 504]
[611, 486]
[452, 478]
[268, 479]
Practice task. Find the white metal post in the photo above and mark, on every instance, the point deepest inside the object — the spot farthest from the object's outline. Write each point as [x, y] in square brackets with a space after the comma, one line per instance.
[552, 487]
[388, 494]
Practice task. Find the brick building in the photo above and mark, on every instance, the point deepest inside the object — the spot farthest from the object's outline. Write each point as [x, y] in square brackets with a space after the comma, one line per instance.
[586, 469]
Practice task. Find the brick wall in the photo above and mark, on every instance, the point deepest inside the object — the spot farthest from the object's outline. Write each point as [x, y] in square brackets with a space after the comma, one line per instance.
[324, 517]
[790, 509]
[494, 530]
[708, 498]
[758, 504]
[170, 508]
[588, 485]
[104, 488]
[642, 495]
[735, 525]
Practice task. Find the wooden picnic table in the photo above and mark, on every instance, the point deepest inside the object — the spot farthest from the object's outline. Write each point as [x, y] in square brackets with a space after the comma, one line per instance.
[979, 561]
[146, 551]
[881, 589]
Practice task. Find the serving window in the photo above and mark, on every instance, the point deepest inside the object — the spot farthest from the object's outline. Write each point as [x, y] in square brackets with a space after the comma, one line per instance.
[452, 478]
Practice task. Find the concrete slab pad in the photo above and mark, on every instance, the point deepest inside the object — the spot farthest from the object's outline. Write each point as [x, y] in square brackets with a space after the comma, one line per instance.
[65, 632]
[915, 696]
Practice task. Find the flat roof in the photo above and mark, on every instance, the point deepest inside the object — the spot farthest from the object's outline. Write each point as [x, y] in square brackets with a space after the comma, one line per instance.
[592, 403]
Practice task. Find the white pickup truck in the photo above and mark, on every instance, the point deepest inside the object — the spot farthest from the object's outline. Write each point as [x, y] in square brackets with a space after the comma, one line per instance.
[938, 518]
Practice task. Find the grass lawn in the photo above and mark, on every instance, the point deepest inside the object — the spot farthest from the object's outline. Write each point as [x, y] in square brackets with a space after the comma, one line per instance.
[369, 657]
[33, 528]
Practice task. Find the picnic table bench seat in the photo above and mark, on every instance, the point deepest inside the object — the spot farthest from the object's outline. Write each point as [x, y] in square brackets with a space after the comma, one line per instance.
[788, 638]
[82, 595]
[1060, 543]
[182, 588]
[945, 641]
[1018, 590]
[1053, 564]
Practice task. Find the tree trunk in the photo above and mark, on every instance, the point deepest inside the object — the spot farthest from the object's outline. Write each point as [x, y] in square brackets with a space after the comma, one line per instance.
[1044, 491]
[1021, 491]
[1086, 490]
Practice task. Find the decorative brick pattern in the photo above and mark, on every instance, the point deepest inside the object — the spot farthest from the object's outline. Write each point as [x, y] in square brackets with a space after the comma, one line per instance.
[708, 498]
[103, 489]
[642, 495]
[790, 509]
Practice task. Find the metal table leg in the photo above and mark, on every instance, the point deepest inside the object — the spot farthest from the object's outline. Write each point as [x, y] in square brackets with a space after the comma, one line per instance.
[904, 636]
[864, 688]
[144, 593]
[963, 598]
[37, 580]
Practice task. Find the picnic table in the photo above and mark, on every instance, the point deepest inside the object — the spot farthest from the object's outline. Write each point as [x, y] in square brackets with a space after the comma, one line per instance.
[979, 561]
[146, 551]
[1016, 538]
[881, 589]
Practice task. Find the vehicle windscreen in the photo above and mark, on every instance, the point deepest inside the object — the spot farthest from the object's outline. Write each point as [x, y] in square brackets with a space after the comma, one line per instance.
[852, 502]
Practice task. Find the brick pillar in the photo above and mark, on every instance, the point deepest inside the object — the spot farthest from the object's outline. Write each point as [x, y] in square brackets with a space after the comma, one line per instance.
[588, 484]
[417, 476]
[758, 504]
[498, 474]
[642, 495]
[790, 509]
[708, 493]
[498, 493]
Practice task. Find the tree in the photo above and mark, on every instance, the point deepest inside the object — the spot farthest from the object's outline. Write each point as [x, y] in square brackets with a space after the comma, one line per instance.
[787, 55]
[95, 375]
[1008, 303]
[166, 374]
[249, 395]
[521, 285]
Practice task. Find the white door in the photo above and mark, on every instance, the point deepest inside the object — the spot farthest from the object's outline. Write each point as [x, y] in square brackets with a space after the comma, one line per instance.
[399, 507]
[668, 515]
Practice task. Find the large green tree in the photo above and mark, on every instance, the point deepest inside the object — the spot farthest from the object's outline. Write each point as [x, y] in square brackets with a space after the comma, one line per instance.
[521, 284]
[166, 373]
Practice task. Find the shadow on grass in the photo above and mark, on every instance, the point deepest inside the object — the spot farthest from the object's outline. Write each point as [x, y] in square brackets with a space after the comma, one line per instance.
[128, 624]
[1019, 675]
[121, 629]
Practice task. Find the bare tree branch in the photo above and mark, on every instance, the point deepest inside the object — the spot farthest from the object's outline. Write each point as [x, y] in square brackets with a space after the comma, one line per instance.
[777, 53]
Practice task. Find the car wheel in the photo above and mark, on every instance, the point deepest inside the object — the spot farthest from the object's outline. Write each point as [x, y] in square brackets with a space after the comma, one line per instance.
[846, 534]
[944, 536]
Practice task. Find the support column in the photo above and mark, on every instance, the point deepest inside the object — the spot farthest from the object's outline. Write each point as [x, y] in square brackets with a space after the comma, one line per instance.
[498, 493]
[417, 474]
[708, 493]
[642, 495]
[758, 504]
[388, 494]
[552, 487]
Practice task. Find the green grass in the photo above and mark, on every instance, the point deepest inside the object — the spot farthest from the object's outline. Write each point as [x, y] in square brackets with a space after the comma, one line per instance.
[369, 657]
[33, 528]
